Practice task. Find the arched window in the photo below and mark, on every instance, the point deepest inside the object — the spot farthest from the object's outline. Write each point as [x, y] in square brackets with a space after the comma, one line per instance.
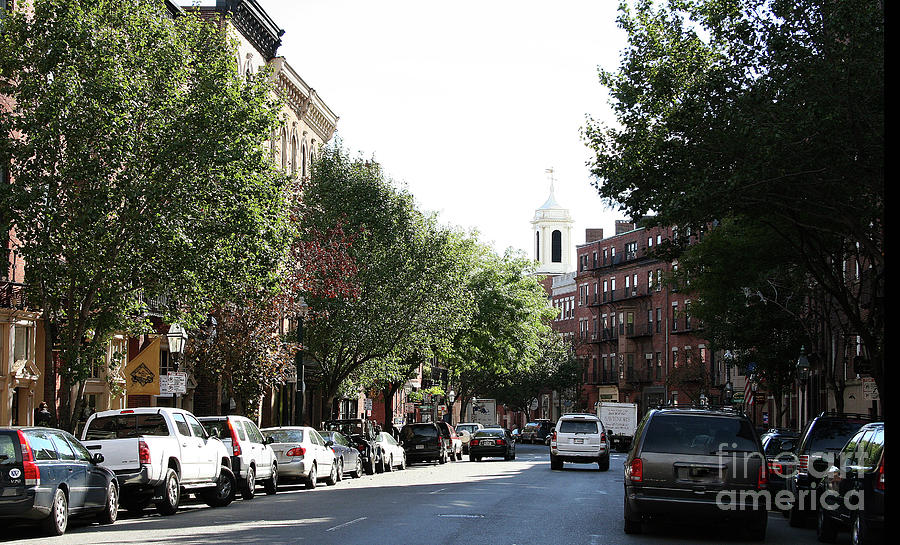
[293, 155]
[556, 246]
[284, 152]
[537, 245]
[303, 158]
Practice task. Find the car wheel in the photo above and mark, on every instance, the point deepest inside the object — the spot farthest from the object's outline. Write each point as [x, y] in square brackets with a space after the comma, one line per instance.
[56, 523]
[403, 462]
[311, 479]
[169, 494]
[443, 458]
[379, 467]
[859, 531]
[555, 463]
[370, 466]
[390, 465]
[826, 529]
[359, 468]
[249, 486]
[475, 458]
[111, 510]
[603, 463]
[633, 522]
[271, 484]
[757, 529]
[796, 517]
[332, 475]
[222, 494]
[135, 505]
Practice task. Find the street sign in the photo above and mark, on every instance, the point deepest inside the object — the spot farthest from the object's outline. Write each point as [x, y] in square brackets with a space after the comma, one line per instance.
[442, 408]
[870, 389]
[738, 397]
[368, 404]
[765, 418]
[173, 383]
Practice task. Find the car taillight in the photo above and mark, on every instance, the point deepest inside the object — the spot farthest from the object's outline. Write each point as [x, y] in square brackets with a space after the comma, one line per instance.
[762, 479]
[360, 447]
[602, 437]
[143, 452]
[296, 451]
[235, 446]
[804, 463]
[635, 471]
[30, 470]
[879, 483]
[553, 437]
[473, 442]
[501, 442]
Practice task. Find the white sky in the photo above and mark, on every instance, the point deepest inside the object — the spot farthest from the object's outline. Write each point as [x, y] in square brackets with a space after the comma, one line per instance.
[466, 102]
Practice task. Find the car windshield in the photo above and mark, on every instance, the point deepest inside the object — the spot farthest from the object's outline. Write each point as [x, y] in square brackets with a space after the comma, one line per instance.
[468, 428]
[489, 433]
[698, 434]
[348, 428]
[832, 434]
[284, 436]
[532, 426]
[217, 428]
[577, 426]
[419, 431]
[122, 426]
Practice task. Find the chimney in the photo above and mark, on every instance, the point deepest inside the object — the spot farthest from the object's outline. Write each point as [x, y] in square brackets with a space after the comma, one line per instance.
[623, 226]
[592, 235]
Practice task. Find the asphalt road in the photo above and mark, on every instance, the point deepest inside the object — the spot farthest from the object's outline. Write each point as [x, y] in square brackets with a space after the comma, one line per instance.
[490, 502]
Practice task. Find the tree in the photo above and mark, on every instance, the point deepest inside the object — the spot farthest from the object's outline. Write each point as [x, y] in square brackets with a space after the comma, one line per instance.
[405, 270]
[139, 167]
[767, 110]
[504, 332]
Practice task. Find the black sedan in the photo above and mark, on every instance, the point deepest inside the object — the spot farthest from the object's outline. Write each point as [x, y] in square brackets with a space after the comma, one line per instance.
[778, 445]
[495, 442]
[47, 475]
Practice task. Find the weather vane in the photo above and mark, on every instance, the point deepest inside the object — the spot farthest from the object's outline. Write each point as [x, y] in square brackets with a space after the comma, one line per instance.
[552, 179]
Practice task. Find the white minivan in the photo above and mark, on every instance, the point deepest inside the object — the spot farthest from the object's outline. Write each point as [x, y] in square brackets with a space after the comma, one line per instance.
[579, 438]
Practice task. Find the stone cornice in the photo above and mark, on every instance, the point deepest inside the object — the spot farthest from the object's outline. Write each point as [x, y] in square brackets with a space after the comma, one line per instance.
[303, 100]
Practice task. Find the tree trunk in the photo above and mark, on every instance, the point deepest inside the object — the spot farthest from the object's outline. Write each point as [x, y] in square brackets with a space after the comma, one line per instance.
[50, 370]
[387, 393]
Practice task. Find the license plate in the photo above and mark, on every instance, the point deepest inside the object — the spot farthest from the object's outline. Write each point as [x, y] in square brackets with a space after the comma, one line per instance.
[488, 443]
[578, 441]
[420, 446]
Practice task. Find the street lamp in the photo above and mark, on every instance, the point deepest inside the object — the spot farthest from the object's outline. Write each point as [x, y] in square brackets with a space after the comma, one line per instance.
[451, 397]
[729, 393]
[802, 378]
[176, 337]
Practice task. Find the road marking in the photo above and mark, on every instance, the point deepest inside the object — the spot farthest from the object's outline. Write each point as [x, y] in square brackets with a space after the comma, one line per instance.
[461, 516]
[438, 490]
[346, 524]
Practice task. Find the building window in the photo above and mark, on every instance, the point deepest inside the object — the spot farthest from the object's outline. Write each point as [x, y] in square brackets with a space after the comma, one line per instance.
[658, 318]
[22, 340]
[674, 316]
[556, 246]
[537, 246]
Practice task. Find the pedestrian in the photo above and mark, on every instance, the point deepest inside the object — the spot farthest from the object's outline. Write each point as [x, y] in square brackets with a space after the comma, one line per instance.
[43, 417]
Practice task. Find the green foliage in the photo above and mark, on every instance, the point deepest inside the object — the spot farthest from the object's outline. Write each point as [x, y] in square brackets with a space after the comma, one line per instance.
[762, 111]
[554, 367]
[138, 166]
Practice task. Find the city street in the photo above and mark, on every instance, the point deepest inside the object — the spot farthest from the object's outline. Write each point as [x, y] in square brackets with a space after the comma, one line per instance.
[492, 501]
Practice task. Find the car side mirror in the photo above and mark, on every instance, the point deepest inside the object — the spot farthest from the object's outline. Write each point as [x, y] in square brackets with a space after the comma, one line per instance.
[97, 459]
[270, 440]
[329, 443]
[820, 465]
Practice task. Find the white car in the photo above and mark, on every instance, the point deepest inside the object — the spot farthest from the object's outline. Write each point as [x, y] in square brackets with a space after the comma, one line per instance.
[579, 438]
[301, 454]
[465, 431]
[394, 454]
[252, 459]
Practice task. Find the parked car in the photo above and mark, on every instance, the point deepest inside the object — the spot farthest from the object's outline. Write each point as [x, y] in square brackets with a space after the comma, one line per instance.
[778, 445]
[252, 459]
[453, 442]
[537, 431]
[549, 437]
[362, 434]
[156, 452]
[579, 438]
[423, 442]
[47, 475]
[824, 437]
[302, 455]
[394, 454]
[492, 442]
[681, 460]
[348, 458]
[860, 471]
[465, 431]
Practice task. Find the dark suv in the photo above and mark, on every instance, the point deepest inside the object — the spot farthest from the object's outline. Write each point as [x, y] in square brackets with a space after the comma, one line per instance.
[423, 442]
[696, 464]
[362, 434]
[823, 437]
[778, 444]
[537, 431]
[860, 473]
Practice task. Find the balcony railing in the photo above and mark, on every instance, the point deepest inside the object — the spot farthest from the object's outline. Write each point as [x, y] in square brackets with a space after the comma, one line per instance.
[638, 375]
[639, 330]
[13, 295]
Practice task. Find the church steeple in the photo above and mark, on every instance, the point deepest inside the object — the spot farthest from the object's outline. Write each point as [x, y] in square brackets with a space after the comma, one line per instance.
[552, 226]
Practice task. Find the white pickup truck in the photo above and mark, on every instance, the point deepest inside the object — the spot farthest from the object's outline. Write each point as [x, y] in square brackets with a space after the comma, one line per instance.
[159, 453]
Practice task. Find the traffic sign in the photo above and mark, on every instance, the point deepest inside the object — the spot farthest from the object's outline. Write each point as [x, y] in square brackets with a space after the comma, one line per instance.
[173, 383]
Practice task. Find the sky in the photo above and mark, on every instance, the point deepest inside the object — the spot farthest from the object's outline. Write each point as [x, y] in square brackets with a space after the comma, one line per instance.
[466, 103]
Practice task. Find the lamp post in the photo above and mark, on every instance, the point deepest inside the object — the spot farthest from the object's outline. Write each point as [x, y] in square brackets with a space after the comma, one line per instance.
[451, 397]
[729, 393]
[176, 337]
[802, 378]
